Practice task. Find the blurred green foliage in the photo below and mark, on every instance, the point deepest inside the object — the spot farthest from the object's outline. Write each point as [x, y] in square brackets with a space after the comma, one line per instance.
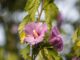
[10, 51]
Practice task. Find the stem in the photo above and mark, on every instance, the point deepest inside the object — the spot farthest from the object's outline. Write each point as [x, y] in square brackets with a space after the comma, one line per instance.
[31, 50]
[40, 11]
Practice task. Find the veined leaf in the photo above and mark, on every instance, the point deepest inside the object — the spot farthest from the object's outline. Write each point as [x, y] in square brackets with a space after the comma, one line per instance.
[22, 35]
[32, 7]
[25, 53]
[76, 35]
[48, 54]
[54, 54]
[23, 23]
[76, 40]
[51, 11]
[39, 56]
[29, 4]
[47, 2]
[21, 28]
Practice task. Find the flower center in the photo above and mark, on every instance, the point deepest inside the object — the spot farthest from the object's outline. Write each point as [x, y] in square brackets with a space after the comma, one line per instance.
[35, 34]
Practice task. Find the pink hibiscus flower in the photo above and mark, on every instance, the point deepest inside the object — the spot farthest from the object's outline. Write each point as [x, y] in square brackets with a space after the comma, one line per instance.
[35, 32]
[56, 39]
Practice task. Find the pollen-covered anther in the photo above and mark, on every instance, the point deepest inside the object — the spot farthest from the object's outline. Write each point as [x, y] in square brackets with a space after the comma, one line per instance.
[35, 34]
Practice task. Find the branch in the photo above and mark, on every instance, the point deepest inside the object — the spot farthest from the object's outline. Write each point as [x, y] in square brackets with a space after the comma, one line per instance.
[40, 11]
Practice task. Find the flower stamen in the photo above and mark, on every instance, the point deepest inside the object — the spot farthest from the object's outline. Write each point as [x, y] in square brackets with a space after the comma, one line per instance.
[35, 33]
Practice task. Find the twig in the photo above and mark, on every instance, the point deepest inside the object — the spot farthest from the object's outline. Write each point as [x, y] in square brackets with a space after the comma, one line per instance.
[40, 11]
[30, 50]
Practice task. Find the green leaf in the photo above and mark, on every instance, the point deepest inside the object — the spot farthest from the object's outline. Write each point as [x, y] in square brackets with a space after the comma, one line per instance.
[53, 53]
[39, 56]
[76, 35]
[51, 11]
[25, 53]
[48, 54]
[32, 7]
[23, 23]
[47, 2]
[21, 28]
[76, 40]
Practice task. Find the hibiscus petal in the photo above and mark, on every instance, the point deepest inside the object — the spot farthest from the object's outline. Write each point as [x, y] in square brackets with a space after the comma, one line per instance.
[55, 31]
[30, 40]
[29, 28]
[56, 39]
